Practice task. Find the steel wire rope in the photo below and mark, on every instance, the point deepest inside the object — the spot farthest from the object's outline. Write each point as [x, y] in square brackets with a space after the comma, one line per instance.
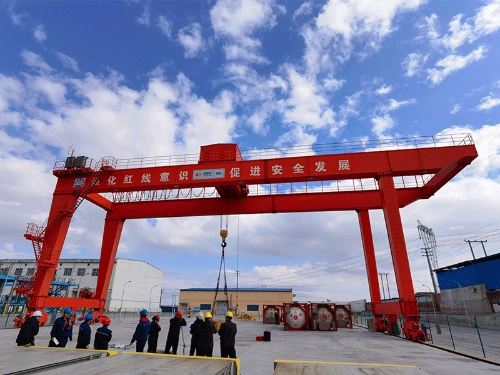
[223, 234]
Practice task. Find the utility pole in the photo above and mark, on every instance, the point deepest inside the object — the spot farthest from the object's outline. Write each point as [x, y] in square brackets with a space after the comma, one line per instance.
[426, 251]
[430, 251]
[482, 244]
[387, 281]
[382, 282]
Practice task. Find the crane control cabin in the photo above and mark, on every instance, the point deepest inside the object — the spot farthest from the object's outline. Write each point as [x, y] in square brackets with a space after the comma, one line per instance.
[356, 176]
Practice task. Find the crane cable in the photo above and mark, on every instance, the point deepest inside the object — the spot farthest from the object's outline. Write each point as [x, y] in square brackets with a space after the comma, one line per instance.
[223, 235]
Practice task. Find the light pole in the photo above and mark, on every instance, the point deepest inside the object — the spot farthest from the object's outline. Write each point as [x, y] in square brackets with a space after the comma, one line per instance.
[173, 295]
[78, 289]
[463, 300]
[123, 293]
[438, 327]
[150, 294]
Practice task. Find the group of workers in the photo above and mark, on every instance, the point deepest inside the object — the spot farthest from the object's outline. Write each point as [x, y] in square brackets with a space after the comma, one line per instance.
[62, 331]
[202, 331]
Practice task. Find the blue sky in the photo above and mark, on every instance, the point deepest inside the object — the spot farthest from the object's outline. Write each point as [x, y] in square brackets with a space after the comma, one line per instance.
[152, 78]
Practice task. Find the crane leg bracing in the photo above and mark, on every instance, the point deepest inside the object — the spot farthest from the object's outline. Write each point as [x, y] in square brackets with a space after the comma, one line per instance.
[317, 179]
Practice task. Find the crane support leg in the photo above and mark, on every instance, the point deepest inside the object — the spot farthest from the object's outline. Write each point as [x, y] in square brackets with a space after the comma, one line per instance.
[110, 240]
[59, 221]
[371, 267]
[407, 303]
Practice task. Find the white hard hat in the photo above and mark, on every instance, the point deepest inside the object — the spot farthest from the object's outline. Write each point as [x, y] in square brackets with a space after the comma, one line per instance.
[200, 315]
[37, 313]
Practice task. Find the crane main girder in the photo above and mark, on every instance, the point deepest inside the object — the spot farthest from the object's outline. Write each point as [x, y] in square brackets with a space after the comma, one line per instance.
[237, 183]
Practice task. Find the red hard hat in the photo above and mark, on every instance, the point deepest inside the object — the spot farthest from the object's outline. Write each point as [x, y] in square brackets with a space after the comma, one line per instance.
[178, 314]
[105, 321]
[157, 317]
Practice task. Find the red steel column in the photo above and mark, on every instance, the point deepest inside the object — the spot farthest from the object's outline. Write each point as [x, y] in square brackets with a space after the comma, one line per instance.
[369, 250]
[396, 238]
[110, 240]
[53, 242]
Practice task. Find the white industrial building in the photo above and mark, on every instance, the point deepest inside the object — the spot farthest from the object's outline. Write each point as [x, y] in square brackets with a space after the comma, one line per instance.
[134, 284]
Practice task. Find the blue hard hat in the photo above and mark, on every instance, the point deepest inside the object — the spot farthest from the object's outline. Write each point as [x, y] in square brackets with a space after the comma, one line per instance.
[88, 317]
[68, 310]
[144, 312]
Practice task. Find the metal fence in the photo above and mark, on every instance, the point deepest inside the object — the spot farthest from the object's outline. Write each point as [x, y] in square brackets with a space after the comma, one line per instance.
[460, 333]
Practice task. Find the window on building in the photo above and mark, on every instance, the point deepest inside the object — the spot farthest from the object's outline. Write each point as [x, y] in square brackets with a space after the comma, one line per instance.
[252, 307]
[80, 272]
[68, 271]
[18, 271]
[95, 271]
[30, 272]
[4, 271]
[205, 306]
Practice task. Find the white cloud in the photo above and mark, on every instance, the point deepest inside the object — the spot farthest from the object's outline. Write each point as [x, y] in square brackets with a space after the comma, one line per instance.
[16, 18]
[305, 9]
[455, 109]
[191, 39]
[68, 62]
[363, 17]
[381, 124]
[165, 25]
[39, 33]
[383, 121]
[395, 105]
[145, 17]
[487, 19]
[488, 102]
[239, 53]
[383, 90]
[460, 32]
[413, 63]
[35, 61]
[453, 63]
[237, 20]
[305, 105]
[332, 84]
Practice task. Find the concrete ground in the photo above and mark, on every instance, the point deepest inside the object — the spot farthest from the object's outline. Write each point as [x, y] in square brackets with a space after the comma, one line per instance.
[257, 357]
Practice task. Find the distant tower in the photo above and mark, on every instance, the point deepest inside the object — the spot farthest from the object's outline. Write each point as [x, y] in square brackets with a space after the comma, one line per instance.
[429, 250]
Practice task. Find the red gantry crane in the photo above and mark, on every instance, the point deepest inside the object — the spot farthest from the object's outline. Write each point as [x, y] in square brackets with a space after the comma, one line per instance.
[356, 176]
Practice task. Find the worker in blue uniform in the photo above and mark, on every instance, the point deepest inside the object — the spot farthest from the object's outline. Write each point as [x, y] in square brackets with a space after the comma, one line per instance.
[84, 333]
[62, 330]
[141, 331]
[103, 335]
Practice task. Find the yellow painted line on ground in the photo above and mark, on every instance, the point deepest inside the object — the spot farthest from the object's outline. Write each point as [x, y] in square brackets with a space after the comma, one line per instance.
[343, 363]
[236, 360]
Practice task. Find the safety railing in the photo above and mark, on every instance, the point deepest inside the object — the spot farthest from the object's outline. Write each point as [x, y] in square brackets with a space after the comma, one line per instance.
[442, 140]
[467, 334]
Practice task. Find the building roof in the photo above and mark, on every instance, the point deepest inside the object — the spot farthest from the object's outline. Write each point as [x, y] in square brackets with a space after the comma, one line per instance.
[469, 263]
[238, 290]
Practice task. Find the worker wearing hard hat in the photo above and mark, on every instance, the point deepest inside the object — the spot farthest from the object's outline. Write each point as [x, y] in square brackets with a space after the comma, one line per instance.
[173, 332]
[62, 330]
[103, 335]
[227, 333]
[84, 333]
[154, 332]
[195, 334]
[29, 330]
[206, 332]
[141, 331]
